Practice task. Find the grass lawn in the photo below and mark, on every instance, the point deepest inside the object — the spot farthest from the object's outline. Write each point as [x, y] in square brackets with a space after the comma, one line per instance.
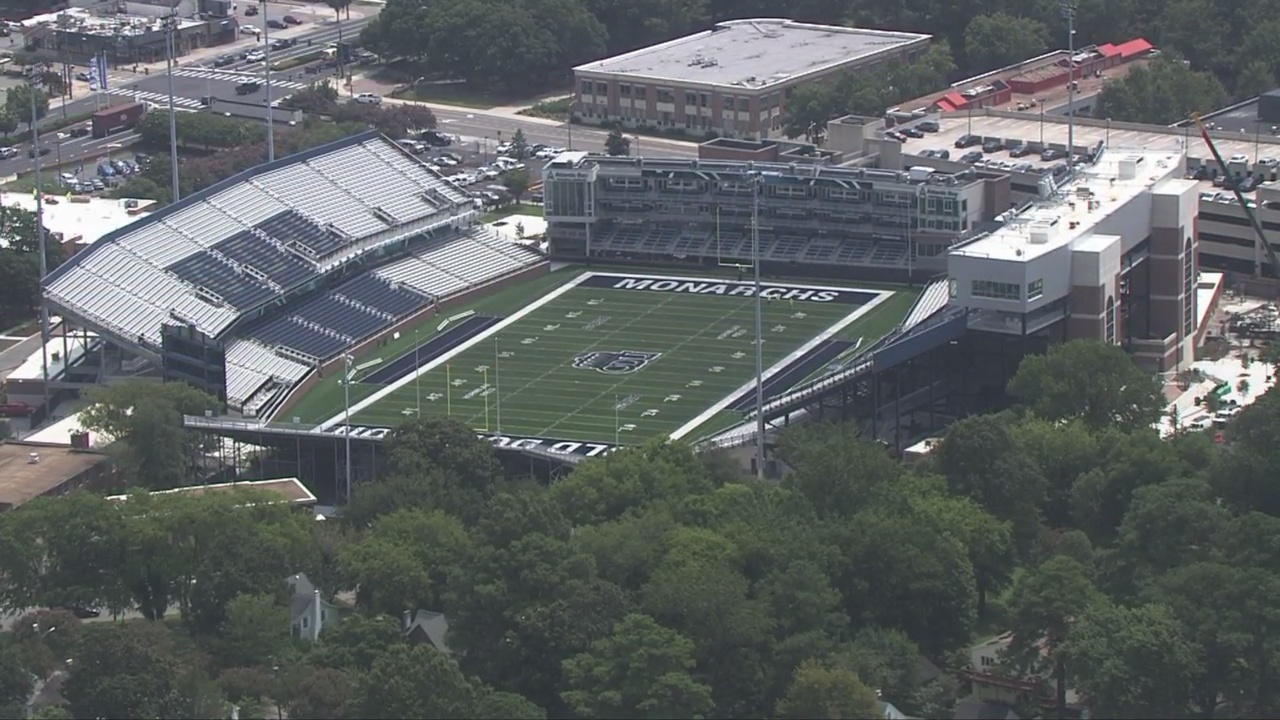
[571, 365]
[508, 211]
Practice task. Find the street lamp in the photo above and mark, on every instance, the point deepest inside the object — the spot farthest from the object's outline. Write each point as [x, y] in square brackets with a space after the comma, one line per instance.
[758, 181]
[266, 72]
[170, 23]
[1068, 8]
[346, 399]
[35, 78]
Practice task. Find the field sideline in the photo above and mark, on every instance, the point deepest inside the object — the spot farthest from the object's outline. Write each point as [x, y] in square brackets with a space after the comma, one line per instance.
[608, 357]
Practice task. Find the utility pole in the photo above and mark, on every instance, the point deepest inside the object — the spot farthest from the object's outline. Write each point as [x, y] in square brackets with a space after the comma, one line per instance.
[266, 71]
[346, 400]
[758, 182]
[170, 23]
[1068, 8]
[37, 71]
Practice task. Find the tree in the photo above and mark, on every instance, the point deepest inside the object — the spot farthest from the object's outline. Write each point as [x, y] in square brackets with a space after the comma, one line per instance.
[323, 694]
[413, 681]
[825, 692]
[1166, 527]
[999, 39]
[517, 183]
[1042, 607]
[8, 122]
[16, 682]
[1131, 662]
[20, 263]
[641, 670]
[338, 6]
[980, 460]
[462, 469]
[1165, 92]
[629, 480]
[17, 102]
[519, 145]
[126, 670]
[354, 643]
[836, 470]
[318, 98]
[255, 633]
[157, 453]
[616, 143]
[808, 109]
[1093, 381]
[403, 562]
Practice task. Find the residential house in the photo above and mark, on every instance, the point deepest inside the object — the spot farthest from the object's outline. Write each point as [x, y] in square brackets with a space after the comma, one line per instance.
[995, 692]
[309, 611]
[426, 626]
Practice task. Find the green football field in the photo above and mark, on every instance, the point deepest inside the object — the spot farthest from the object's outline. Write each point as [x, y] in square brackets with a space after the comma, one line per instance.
[593, 362]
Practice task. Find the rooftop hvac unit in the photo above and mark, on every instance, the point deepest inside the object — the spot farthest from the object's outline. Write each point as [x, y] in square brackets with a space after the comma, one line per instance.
[1039, 234]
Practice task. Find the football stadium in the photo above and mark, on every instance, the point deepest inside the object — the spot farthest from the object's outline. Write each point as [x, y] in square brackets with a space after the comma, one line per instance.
[330, 296]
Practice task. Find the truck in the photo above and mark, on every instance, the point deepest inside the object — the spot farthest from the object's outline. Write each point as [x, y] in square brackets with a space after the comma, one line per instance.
[117, 118]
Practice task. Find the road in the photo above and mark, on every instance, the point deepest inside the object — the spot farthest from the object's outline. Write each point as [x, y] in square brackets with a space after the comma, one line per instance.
[489, 129]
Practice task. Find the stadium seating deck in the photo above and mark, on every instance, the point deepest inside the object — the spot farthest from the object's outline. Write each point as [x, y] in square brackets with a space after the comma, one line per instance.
[783, 245]
[252, 366]
[236, 245]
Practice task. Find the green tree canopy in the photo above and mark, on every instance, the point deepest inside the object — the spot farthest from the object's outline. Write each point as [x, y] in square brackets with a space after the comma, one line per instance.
[1094, 382]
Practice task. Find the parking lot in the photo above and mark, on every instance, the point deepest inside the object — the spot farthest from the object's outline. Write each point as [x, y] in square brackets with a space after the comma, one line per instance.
[476, 163]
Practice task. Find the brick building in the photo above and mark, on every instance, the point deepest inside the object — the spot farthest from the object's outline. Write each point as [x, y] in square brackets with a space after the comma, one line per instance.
[733, 80]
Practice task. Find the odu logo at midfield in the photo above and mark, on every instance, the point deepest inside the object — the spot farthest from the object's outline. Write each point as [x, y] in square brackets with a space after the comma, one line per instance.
[615, 362]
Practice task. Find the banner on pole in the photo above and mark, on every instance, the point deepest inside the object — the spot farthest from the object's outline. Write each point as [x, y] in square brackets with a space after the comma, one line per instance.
[100, 70]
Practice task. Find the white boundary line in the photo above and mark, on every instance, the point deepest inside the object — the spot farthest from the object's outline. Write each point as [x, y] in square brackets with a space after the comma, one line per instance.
[881, 296]
[463, 347]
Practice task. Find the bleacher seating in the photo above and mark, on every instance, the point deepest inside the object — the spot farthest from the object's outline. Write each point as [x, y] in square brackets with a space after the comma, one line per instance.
[241, 243]
[782, 245]
[212, 273]
[373, 291]
[251, 366]
[291, 226]
[458, 262]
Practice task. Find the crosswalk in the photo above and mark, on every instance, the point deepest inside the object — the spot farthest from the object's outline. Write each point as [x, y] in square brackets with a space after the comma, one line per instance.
[234, 76]
[189, 103]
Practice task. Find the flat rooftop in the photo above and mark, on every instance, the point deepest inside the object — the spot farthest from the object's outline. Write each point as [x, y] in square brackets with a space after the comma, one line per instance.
[1242, 119]
[22, 481]
[1026, 127]
[81, 20]
[291, 490]
[82, 220]
[753, 53]
[1067, 216]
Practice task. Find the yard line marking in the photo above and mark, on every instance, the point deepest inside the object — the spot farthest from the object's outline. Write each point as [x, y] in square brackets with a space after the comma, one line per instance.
[462, 347]
[881, 296]
[688, 338]
[590, 347]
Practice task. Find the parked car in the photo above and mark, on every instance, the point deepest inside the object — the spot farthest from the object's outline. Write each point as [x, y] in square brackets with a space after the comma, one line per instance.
[992, 146]
[251, 10]
[912, 132]
[1022, 150]
[6, 153]
[368, 99]
[291, 20]
[928, 126]
[16, 410]
[276, 24]
[971, 157]
[1051, 154]
[249, 30]
[436, 139]
[967, 141]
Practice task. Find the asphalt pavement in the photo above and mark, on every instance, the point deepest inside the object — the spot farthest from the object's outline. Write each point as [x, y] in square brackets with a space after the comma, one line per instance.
[85, 151]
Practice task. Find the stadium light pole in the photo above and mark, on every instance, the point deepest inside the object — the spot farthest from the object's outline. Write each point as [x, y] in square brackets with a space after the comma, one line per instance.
[346, 401]
[755, 262]
[1068, 8]
[266, 71]
[35, 80]
[417, 377]
[170, 23]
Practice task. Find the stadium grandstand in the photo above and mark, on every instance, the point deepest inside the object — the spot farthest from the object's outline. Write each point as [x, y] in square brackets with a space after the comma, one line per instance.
[247, 287]
[849, 222]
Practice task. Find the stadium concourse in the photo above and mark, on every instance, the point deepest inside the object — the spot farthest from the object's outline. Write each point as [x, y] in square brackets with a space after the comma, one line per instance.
[247, 287]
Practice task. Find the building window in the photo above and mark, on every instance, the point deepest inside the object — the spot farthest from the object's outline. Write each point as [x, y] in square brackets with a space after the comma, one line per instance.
[1035, 290]
[640, 92]
[690, 99]
[996, 290]
[624, 90]
[602, 88]
[586, 87]
[744, 104]
[988, 661]
[1110, 319]
[666, 95]
[704, 99]
[1188, 289]
[952, 288]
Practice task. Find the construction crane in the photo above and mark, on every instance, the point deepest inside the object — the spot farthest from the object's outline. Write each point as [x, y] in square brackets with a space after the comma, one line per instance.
[1244, 204]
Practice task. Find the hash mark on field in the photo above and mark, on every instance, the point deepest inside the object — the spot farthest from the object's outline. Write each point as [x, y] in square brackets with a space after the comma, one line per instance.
[778, 328]
[529, 341]
[595, 301]
[551, 328]
[671, 398]
[572, 315]
[716, 369]
[693, 383]
[738, 355]
[649, 413]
